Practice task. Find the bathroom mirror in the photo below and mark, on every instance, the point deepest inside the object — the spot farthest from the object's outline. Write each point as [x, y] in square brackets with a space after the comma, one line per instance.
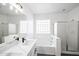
[9, 20]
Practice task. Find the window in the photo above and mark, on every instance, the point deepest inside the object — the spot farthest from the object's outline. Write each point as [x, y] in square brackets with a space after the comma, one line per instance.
[26, 27]
[12, 28]
[30, 27]
[23, 26]
[42, 26]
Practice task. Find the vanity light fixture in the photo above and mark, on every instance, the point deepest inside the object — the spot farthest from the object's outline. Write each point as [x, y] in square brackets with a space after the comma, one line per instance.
[17, 6]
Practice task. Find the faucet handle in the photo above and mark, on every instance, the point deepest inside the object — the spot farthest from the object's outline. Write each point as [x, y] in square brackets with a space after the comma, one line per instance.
[23, 39]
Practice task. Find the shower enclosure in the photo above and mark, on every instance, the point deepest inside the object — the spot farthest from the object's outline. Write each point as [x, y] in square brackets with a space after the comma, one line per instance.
[69, 35]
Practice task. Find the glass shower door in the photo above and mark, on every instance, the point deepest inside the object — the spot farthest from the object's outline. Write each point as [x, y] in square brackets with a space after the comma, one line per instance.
[72, 41]
[68, 33]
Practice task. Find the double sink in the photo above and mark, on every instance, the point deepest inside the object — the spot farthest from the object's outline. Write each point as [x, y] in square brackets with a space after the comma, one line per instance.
[18, 49]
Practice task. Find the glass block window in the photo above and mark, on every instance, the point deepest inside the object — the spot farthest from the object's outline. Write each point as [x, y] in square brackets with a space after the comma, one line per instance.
[42, 26]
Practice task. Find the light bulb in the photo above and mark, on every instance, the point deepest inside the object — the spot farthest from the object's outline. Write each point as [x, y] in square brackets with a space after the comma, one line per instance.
[11, 7]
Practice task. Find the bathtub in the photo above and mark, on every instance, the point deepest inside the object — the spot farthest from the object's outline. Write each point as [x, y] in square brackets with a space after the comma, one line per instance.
[50, 48]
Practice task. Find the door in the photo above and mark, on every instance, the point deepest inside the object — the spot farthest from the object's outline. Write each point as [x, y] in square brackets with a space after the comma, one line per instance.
[68, 33]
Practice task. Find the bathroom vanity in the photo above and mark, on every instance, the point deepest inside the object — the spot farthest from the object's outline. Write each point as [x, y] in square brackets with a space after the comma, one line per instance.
[16, 48]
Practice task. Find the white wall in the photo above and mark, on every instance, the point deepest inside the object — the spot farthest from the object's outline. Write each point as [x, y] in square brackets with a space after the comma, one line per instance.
[74, 14]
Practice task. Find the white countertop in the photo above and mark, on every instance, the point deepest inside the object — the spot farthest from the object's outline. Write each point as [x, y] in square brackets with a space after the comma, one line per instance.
[17, 48]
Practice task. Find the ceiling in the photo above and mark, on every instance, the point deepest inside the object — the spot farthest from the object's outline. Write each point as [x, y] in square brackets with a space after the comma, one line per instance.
[40, 8]
[5, 10]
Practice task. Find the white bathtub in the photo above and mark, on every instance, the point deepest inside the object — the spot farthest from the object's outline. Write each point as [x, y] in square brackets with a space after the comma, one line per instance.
[50, 48]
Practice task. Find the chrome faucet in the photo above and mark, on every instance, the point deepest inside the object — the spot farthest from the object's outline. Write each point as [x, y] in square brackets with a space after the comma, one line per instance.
[23, 39]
